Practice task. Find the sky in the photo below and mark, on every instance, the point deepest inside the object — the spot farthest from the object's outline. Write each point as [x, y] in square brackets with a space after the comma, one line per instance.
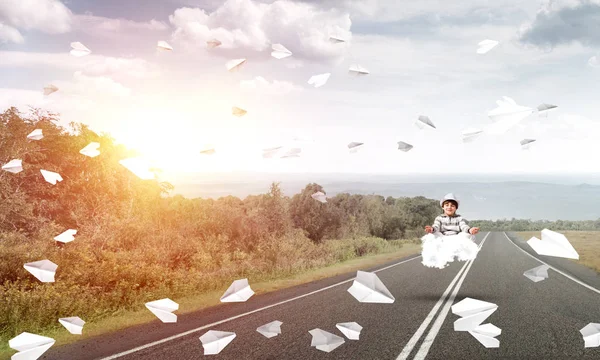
[421, 57]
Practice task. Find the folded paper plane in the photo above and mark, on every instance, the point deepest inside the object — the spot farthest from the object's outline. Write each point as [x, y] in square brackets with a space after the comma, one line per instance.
[545, 107]
[30, 346]
[14, 166]
[78, 49]
[538, 273]
[163, 309]
[235, 65]
[404, 146]
[591, 335]
[51, 176]
[239, 112]
[208, 151]
[293, 152]
[336, 39]
[138, 166]
[470, 134]
[211, 44]
[424, 121]
[351, 330]
[319, 80]
[214, 342]
[355, 146]
[91, 150]
[36, 135]
[526, 143]
[49, 89]
[473, 312]
[325, 341]
[66, 236]
[270, 152]
[319, 196]
[357, 70]
[73, 324]
[506, 115]
[368, 288]
[238, 291]
[280, 51]
[162, 45]
[271, 329]
[553, 244]
[486, 45]
[43, 270]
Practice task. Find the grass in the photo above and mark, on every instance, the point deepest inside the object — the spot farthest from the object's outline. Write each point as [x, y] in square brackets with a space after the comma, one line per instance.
[587, 244]
[261, 284]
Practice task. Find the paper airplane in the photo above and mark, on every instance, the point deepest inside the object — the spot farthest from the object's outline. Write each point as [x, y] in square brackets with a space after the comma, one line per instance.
[319, 196]
[526, 143]
[163, 309]
[553, 244]
[354, 146]
[486, 45]
[30, 346]
[470, 133]
[66, 236]
[357, 70]
[43, 270]
[78, 49]
[238, 291]
[270, 152]
[138, 166]
[235, 65]
[367, 288]
[546, 107]
[214, 342]
[14, 166]
[591, 335]
[239, 112]
[73, 324]
[211, 44]
[473, 312]
[351, 330]
[162, 45]
[424, 121]
[293, 152]
[404, 146]
[506, 115]
[271, 329]
[538, 273]
[336, 39]
[280, 51]
[208, 151]
[51, 176]
[49, 89]
[319, 80]
[91, 150]
[325, 341]
[36, 135]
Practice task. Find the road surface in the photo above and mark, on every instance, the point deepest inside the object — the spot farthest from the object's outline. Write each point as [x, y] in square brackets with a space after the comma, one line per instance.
[538, 320]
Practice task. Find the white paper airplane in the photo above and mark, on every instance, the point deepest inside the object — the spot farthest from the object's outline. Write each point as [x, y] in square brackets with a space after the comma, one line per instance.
[91, 150]
[537, 273]
[293, 152]
[138, 166]
[404, 146]
[351, 330]
[325, 341]
[336, 39]
[162, 45]
[357, 70]
[43, 270]
[66, 236]
[367, 288]
[49, 89]
[545, 107]
[553, 244]
[163, 309]
[30, 346]
[526, 143]
[355, 146]
[271, 329]
[473, 312]
[51, 176]
[470, 133]
[214, 342]
[73, 324]
[506, 115]
[78, 49]
[208, 151]
[280, 51]
[235, 65]
[486, 45]
[423, 122]
[270, 152]
[319, 80]
[239, 112]
[238, 291]
[14, 166]
[36, 135]
[211, 44]
[319, 196]
[591, 335]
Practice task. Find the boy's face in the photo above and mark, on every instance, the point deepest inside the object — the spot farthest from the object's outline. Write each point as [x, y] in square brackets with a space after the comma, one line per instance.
[449, 208]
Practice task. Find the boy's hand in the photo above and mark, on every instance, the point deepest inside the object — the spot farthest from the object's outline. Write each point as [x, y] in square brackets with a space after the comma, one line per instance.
[428, 229]
[473, 230]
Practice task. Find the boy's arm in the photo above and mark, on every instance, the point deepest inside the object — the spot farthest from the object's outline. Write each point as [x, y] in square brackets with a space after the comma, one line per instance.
[437, 224]
[464, 227]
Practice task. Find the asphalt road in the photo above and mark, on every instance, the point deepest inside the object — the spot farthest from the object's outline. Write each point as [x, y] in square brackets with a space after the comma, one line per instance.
[538, 320]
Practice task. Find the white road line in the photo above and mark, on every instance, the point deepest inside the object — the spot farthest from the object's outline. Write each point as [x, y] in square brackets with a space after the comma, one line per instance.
[555, 269]
[426, 345]
[158, 342]
[417, 335]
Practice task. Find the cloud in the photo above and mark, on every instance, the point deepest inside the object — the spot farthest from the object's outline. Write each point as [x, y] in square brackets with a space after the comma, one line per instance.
[249, 25]
[271, 88]
[10, 34]
[49, 16]
[594, 62]
[98, 25]
[95, 86]
[564, 22]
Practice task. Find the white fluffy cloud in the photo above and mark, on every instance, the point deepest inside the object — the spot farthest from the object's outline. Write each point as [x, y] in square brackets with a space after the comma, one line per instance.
[95, 86]
[50, 16]
[10, 34]
[98, 25]
[303, 28]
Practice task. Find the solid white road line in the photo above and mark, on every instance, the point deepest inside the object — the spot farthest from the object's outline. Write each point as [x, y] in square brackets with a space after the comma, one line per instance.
[417, 335]
[555, 269]
[426, 345]
[139, 348]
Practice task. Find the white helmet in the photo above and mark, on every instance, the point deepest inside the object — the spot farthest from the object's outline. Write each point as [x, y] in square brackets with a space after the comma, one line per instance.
[450, 196]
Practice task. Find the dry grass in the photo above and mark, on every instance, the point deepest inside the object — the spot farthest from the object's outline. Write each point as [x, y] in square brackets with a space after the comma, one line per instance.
[587, 244]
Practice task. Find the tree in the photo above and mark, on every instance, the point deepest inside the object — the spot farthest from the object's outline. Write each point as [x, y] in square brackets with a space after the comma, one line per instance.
[314, 217]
